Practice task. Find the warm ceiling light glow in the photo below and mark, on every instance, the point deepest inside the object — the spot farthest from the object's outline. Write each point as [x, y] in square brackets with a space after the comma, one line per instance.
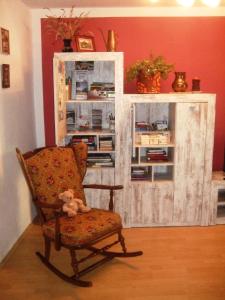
[154, 1]
[186, 2]
[212, 3]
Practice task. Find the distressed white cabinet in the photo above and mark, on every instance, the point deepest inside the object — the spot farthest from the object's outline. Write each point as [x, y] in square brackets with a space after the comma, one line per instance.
[175, 191]
[151, 204]
[88, 101]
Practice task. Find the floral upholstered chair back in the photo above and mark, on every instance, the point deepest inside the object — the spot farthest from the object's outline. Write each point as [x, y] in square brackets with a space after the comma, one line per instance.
[55, 170]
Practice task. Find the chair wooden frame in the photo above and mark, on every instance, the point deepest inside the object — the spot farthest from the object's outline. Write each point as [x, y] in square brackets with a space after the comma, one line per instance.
[103, 251]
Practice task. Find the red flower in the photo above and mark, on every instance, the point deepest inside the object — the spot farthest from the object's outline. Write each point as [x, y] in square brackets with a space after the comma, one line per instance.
[70, 173]
[50, 180]
[34, 169]
[91, 218]
[90, 229]
[69, 229]
[56, 163]
[42, 198]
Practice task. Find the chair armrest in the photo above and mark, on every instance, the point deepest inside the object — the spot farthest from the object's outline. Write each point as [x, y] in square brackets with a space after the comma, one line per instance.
[41, 204]
[111, 188]
[102, 187]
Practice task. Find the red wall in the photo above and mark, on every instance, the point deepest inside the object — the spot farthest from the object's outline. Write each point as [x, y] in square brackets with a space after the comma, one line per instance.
[195, 45]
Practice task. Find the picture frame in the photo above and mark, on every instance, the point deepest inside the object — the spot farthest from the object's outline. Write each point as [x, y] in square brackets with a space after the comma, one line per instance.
[4, 41]
[5, 76]
[85, 43]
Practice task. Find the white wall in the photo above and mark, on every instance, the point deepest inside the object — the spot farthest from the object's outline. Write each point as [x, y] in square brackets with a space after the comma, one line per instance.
[16, 124]
[37, 14]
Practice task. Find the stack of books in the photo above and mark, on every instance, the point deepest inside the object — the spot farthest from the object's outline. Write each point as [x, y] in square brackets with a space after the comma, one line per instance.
[96, 119]
[105, 143]
[142, 126]
[138, 174]
[102, 90]
[70, 117]
[81, 90]
[100, 160]
[89, 140]
[157, 154]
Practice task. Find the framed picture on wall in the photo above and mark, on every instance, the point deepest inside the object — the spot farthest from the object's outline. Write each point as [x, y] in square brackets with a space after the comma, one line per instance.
[4, 41]
[5, 76]
[85, 43]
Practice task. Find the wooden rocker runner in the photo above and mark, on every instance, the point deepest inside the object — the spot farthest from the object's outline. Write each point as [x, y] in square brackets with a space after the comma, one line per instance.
[50, 171]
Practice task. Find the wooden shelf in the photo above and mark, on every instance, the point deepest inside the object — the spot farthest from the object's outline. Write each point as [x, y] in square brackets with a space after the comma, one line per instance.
[99, 151]
[109, 100]
[170, 145]
[145, 164]
[90, 132]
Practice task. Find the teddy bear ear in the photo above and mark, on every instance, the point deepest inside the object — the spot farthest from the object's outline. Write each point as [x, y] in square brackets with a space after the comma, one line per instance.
[70, 190]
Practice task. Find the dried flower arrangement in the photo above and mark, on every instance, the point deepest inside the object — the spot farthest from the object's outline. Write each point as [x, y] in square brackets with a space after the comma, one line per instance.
[65, 27]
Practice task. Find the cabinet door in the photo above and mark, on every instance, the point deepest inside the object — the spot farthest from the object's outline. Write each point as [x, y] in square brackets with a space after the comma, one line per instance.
[152, 205]
[98, 198]
[190, 131]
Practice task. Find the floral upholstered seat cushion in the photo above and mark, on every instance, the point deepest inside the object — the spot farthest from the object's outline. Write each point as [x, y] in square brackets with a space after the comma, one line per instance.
[53, 171]
[83, 228]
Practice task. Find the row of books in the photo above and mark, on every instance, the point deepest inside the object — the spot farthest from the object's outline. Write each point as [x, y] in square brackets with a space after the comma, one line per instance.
[98, 90]
[89, 140]
[96, 118]
[100, 160]
[106, 143]
[142, 126]
[146, 126]
[139, 174]
[157, 154]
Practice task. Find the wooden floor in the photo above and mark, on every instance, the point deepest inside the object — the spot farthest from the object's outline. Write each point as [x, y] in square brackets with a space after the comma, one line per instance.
[178, 264]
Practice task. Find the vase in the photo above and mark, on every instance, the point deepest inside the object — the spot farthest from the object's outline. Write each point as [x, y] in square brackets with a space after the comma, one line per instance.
[148, 84]
[111, 41]
[179, 84]
[67, 45]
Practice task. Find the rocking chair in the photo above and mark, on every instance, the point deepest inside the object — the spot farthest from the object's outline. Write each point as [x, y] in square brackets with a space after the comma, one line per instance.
[50, 171]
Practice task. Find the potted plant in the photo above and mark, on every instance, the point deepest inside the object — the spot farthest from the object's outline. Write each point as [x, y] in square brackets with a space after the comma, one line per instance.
[148, 73]
[65, 27]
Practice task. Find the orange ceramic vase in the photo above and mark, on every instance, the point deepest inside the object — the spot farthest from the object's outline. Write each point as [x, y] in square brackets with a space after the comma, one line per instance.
[148, 84]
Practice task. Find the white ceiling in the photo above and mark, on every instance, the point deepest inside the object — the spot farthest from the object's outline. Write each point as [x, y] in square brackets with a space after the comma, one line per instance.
[101, 3]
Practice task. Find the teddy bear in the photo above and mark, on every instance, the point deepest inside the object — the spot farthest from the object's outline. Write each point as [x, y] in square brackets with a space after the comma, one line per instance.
[72, 205]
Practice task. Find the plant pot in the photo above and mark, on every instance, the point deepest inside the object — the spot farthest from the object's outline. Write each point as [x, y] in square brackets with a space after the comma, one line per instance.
[67, 45]
[148, 84]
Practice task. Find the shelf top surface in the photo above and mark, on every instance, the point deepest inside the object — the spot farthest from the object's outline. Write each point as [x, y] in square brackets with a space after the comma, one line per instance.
[109, 100]
[154, 145]
[153, 163]
[90, 132]
[87, 56]
[170, 97]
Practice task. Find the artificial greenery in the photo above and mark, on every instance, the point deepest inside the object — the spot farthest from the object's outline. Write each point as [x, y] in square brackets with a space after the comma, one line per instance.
[149, 67]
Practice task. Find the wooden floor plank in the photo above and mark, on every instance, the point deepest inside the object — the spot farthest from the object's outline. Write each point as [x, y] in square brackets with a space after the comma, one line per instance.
[179, 263]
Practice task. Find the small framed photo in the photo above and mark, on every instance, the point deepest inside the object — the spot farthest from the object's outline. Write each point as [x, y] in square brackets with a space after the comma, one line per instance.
[5, 76]
[85, 43]
[4, 41]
